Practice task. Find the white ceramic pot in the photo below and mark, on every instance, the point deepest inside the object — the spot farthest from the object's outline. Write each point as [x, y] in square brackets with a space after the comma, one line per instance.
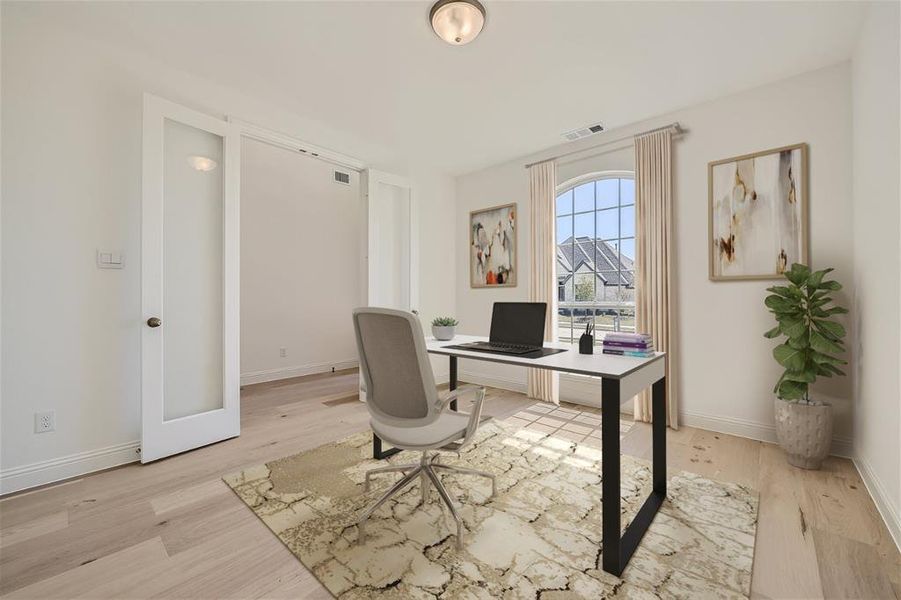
[444, 333]
[804, 431]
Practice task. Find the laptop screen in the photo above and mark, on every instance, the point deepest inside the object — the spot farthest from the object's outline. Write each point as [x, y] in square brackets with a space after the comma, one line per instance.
[518, 323]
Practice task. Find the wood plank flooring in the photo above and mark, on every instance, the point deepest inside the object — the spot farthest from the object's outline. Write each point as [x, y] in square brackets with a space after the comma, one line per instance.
[172, 529]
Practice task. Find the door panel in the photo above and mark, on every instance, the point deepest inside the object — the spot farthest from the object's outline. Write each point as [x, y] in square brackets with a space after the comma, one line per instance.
[392, 242]
[190, 378]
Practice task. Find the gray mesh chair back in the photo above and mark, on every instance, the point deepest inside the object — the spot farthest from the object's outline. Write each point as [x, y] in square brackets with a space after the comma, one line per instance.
[400, 386]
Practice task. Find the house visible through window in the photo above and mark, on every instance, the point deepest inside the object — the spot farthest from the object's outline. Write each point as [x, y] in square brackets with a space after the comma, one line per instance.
[596, 256]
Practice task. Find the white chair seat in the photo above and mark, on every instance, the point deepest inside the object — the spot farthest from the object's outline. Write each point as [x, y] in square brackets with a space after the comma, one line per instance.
[448, 427]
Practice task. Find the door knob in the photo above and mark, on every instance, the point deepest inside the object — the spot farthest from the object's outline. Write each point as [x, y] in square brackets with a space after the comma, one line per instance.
[154, 322]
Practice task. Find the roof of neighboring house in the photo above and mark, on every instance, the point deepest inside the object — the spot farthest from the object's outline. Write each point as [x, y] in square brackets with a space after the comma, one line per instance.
[572, 254]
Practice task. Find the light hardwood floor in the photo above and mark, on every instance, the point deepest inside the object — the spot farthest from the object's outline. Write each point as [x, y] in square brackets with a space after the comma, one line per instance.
[173, 529]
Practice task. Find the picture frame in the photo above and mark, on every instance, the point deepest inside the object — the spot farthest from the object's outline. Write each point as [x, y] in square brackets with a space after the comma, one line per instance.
[493, 247]
[758, 214]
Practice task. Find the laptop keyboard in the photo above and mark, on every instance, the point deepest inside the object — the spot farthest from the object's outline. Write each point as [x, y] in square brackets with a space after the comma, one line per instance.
[514, 348]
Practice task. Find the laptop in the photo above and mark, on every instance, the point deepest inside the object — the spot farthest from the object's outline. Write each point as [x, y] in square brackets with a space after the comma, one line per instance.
[516, 328]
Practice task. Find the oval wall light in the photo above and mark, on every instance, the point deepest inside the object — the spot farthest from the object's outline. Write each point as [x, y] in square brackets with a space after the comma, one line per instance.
[202, 163]
[457, 22]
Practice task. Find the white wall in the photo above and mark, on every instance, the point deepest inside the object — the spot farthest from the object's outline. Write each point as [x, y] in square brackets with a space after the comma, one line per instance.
[877, 268]
[71, 132]
[300, 263]
[726, 371]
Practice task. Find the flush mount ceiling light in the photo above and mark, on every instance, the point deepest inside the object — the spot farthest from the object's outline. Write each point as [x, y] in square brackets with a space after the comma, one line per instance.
[202, 163]
[457, 22]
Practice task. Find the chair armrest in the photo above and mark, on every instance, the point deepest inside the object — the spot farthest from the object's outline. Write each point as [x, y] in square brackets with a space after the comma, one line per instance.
[460, 391]
[475, 416]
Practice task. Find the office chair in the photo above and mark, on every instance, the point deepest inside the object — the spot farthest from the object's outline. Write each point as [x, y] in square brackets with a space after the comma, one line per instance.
[405, 409]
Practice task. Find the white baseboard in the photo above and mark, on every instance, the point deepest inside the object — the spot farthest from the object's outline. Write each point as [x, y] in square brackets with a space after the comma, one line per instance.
[296, 371]
[56, 469]
[764, 432]
[880, 498]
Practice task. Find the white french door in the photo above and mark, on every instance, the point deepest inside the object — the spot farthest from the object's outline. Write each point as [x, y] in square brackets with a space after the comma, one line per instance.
[392, 244]
[190, 391]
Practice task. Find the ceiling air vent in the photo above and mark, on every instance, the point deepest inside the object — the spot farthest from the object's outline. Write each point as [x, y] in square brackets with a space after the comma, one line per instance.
[578, 134]
[342, 177]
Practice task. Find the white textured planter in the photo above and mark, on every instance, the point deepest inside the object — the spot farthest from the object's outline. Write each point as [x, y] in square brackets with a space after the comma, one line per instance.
[444, 333]
[804, 431]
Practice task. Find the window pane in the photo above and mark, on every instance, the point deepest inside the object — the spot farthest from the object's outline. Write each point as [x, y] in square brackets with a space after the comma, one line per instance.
[627, 319]
[627, 191]
[564, 229]
[608, 193]
[608, 224]
[564, 324]
[584, 197]
[581, 317]
[565, 203]
[584, 226]
[627, 247]
[605, 320]
[628, 221]
[584, 287]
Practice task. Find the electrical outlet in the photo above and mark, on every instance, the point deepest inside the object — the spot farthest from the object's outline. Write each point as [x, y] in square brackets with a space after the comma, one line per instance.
[44, 421]
[283, 352]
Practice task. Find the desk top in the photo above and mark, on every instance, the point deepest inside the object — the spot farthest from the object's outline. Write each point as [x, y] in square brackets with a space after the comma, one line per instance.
[597, 365]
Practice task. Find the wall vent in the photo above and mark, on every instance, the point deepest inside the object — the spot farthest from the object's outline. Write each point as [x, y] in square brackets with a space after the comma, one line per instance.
[342, 177]
[578, 134]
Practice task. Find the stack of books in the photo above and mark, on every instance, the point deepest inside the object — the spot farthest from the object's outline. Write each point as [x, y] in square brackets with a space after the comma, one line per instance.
[629, 344]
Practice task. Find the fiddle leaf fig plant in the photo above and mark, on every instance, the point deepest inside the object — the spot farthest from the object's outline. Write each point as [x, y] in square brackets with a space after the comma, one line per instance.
[805, 311]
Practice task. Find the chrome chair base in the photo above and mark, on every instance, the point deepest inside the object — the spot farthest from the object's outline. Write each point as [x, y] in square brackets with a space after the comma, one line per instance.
[427, 471]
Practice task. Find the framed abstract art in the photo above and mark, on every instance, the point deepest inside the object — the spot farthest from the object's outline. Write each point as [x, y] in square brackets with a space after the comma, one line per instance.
[492, 247]
[757, 213]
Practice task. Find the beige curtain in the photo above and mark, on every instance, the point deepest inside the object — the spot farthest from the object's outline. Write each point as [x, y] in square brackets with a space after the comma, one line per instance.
[654, 239]
[543, 384]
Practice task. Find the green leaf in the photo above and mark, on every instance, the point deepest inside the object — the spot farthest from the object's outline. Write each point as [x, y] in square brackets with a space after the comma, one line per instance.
[804, 376]
[775, 331]
[798, 274]
[792, 390]
[790, 358]
[794, 328]
[816, 277]
[819, 343]
[835, 310]
[821, 358]
[799, 343]
[830, 327]
[834, 369]
[831, 285]
[778, 303]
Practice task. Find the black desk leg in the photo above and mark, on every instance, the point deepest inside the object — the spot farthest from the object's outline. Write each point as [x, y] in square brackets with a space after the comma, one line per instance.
[611, 507]
[452, 383]
[618, 549]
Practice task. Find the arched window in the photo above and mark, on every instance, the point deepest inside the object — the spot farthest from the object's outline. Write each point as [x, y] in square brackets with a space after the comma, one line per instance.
[596, 254]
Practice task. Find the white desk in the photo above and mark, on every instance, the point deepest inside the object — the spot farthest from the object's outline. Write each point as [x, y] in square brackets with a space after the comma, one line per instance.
[621, 378]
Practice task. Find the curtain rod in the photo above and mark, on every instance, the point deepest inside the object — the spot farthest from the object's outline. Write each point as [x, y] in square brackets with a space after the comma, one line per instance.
[675, 127]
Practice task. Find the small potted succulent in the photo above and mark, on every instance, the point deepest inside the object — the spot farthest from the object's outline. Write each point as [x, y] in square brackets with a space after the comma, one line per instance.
[444, 328]
[805, 314]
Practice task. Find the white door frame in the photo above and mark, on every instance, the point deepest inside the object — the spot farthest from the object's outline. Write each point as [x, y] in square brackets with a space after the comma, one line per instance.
[161, 438]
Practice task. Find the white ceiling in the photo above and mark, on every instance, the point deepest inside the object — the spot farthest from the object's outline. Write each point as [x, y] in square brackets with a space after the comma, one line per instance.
[538, 69]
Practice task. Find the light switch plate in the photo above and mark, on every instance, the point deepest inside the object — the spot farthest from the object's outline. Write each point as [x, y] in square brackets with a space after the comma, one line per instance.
[107, 259]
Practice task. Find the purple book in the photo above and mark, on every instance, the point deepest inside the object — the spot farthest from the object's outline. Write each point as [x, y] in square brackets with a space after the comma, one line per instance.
[629, 345]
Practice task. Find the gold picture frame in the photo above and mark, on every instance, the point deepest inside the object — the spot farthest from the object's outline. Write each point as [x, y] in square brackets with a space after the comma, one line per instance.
[493, 247]
[749, 212]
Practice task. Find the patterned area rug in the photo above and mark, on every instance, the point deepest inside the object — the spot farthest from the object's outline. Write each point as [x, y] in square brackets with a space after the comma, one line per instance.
[539, 537]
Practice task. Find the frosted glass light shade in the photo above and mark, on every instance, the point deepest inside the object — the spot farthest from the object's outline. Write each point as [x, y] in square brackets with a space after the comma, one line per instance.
[457, 22]
[202, 163]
